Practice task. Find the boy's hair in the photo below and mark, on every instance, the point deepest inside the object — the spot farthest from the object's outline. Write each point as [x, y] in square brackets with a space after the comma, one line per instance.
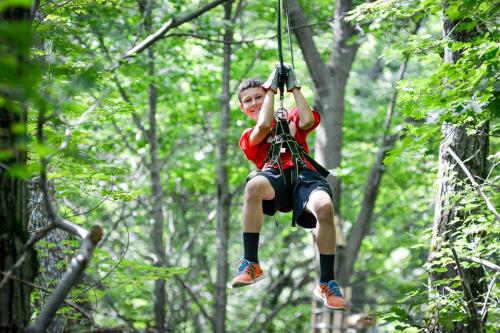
[253, 82]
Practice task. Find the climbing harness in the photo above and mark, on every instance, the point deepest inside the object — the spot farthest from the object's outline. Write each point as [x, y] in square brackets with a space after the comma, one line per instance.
[282, 139]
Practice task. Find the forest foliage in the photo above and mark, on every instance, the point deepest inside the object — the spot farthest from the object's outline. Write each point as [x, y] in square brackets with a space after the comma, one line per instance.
[88, 120]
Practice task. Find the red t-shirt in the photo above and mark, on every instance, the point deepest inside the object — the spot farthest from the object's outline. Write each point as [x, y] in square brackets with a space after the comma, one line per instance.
[258, 153]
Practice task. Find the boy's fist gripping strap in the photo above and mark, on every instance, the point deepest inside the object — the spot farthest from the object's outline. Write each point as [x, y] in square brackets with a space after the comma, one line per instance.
[291, 80]
[273, 81]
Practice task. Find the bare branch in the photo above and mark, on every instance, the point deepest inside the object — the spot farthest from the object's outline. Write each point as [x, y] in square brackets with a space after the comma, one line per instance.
[73, 273]
[83, 118]
[476, 185]
[484, 311]
[148, 41]
[235, 42]
[57, 7]
[172, 23]
[471, 305]
[483, 262]
[112, 269]
[79, 213]
[237, 12]
[54, 219]
[195, 235]
[141, 23]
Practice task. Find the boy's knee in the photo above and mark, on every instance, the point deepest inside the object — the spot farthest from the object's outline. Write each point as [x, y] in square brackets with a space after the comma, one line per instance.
[322, 205]
[256, 188]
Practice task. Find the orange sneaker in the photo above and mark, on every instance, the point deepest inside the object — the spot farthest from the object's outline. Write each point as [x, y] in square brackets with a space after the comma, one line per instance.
[248, 273]
[331, 295]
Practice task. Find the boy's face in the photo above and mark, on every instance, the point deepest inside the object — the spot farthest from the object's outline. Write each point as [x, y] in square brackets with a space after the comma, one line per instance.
[251, 101]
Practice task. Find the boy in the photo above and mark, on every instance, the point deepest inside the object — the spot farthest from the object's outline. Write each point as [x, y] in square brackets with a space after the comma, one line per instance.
[309, 196]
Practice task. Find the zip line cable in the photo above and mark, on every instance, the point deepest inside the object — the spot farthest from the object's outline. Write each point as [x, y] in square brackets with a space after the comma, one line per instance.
[278, 28]
[289, 32]
[281, 74]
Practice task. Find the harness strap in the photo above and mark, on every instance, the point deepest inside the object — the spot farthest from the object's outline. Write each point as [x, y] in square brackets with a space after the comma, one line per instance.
[283, 139]
[319, 168]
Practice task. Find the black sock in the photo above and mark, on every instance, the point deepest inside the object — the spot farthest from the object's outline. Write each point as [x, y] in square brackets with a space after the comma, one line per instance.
[251, 246]
[326, 264]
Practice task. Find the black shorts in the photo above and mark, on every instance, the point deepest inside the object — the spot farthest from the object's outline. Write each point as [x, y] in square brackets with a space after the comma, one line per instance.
[288, 197]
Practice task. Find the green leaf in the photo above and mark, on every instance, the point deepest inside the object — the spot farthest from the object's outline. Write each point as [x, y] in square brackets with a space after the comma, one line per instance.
[15, 3]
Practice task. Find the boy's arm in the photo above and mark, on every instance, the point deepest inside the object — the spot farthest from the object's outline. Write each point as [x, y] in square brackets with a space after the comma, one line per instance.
[265, 120]
[306, 118]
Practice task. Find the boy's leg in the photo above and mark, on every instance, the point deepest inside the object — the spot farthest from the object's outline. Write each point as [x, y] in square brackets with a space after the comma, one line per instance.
[321, 206]
[257, 189]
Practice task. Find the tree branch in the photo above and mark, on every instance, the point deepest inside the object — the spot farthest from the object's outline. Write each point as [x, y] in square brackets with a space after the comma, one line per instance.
[70, 277]
[471, 305]
[483, 262]
[474, 183]
[234, 42]
[484, 310]
[172, 23]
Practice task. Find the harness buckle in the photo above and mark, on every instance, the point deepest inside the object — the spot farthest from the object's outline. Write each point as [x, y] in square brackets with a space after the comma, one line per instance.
[281, 113]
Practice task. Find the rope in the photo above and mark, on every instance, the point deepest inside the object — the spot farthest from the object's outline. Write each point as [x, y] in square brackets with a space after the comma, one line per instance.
[282, 75]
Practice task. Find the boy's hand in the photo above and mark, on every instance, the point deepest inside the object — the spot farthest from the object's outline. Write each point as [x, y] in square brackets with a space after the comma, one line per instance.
[272, 81]
[291, 80]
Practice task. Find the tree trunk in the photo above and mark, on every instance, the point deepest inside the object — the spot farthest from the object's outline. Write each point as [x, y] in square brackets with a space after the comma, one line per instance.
[156, 188]
[447, 214]
[49, 275]
[448, 218]
[330, 81]
[363, 222]
[15, 38]
[223, 197]
[364, 218]
[341, 60]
